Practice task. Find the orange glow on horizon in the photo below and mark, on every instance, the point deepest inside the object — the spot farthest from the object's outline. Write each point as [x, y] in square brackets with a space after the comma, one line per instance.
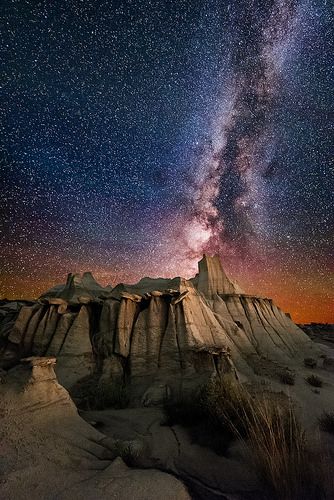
[305, 305]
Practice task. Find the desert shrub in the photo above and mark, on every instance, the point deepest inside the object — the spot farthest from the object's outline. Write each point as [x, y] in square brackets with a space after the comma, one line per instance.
[275, 439]
[310, 362]
[287, 378]
[129, 451]
[83, 391]
[326, 422]
[200, 413]
[314, 381]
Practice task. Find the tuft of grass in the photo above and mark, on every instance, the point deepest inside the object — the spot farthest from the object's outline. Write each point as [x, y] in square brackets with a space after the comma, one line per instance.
[326, 422]
[275, 439]
[314, 381]
[129, 451]
[310, 362]
[287, 378]
[277, 443]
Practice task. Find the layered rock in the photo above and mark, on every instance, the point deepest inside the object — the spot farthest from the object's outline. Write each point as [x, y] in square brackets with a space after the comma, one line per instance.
[78, 289]
[212, 279]
[159, 335]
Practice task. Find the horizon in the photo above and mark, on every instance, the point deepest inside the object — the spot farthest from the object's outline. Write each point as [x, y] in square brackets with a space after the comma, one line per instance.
[104, 282]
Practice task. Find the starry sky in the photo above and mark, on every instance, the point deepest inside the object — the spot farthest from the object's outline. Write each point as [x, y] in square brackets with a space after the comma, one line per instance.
[137, 135]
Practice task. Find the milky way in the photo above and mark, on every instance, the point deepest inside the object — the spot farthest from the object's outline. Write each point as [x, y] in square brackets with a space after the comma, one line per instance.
[240, 153]
[138, 135]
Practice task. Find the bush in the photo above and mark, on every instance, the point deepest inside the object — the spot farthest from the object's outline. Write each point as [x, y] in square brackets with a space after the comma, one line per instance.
[193, 413]
[277, 444]
[287, 378]
[314, 381]
[310, 362]
[129, 451]
[227, 403]
[326, 422]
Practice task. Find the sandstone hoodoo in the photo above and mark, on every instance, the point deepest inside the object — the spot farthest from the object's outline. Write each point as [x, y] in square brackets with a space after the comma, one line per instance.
[157, 337]
[49, 452]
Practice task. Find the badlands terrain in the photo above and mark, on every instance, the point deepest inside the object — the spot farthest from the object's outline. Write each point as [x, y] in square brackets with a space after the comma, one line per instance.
[120, 392]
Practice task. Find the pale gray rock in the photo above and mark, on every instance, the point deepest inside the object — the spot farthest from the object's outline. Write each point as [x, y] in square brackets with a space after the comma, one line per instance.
[63, 326]
[158, 331]
[78, 288]
[49, 452]
[212, 278]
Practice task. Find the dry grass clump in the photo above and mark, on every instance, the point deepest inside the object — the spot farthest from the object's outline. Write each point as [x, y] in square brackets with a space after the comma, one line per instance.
[287, 378]
[314, 381]
[310, 362]
[277, 443]
[275, 438]
[326, 422]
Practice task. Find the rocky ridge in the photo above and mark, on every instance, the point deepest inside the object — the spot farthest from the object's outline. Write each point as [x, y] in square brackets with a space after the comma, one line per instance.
[157, 336]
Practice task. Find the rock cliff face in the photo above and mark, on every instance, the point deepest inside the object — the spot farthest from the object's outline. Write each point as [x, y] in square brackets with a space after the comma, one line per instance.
[157, 336]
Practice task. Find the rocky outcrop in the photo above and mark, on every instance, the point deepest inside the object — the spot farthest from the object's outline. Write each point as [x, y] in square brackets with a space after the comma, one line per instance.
[78, 289]
[175, 448]
[49, 452]
[212, 278]
[159, 336]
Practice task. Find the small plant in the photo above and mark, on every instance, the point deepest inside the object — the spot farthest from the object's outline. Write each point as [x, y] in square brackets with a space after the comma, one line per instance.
[129, 451]
[310, 362]
[314, 381]
[204, 414]
[326, 422]
[287, 378]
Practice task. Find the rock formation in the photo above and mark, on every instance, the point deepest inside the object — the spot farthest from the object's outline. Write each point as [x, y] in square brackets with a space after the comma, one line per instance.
[49, 452]
[144, 343]
[159, 336]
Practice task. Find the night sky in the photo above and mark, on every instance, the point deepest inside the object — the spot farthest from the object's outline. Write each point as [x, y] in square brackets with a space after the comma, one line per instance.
[137, 135]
